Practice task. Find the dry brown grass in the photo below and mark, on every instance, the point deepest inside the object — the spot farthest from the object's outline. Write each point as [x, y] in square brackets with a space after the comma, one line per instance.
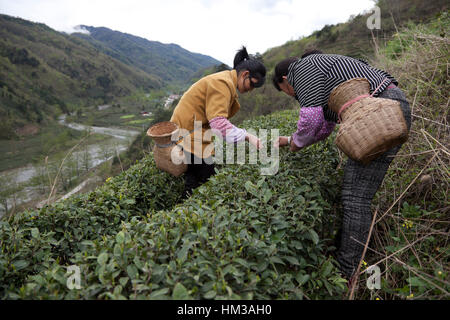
[410, 234]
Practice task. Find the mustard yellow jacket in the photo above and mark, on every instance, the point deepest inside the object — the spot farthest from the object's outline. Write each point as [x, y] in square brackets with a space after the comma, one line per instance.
[212, 96]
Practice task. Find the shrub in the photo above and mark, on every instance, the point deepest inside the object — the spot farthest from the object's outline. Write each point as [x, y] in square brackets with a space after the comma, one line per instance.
[32, 239]
[240, 235]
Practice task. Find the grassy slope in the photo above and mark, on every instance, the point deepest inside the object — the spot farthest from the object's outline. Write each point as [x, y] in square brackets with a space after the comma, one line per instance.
[351, 38]
[413, 199]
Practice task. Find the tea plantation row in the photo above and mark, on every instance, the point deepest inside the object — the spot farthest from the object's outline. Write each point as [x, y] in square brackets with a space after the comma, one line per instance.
[240, 236]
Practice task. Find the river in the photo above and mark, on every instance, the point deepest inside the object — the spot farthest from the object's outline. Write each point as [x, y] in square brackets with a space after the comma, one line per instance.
[89, 156]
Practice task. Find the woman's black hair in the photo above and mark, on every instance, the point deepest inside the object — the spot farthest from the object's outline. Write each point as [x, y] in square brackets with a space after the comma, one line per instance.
[282, 68]
[311, 51]
[243, 61]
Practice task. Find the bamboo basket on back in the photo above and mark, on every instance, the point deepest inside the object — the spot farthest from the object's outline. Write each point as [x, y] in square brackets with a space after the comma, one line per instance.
[369, 126]
[168, 156]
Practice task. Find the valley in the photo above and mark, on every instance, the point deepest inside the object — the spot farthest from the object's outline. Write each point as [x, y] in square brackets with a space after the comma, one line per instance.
[30, 185]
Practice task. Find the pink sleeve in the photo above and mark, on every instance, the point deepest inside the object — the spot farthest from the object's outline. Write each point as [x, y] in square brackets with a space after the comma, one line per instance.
[227, 129]
[311, 127]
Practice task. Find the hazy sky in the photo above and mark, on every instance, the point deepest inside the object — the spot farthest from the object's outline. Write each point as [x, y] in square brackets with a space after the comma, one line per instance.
[217, 28]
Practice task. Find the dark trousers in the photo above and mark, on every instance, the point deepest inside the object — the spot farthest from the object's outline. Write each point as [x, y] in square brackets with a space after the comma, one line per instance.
[197, 173]
[361, 182]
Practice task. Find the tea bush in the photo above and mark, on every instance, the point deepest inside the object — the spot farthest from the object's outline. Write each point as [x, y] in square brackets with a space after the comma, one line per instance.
[239, 236]
[31, 240]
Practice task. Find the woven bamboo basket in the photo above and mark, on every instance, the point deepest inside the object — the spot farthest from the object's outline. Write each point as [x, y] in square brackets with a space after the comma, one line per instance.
[369, 126]
[168, 156]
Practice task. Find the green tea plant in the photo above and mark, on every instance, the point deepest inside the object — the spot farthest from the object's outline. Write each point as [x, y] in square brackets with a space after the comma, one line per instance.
[240, 236]
[32, 239]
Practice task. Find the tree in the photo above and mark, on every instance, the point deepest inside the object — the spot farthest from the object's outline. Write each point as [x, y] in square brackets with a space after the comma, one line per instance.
[160, 114]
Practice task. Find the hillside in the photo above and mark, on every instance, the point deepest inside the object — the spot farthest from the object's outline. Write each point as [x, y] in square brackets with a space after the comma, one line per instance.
[351, 38]
[169, 62]
[246, 236]
[44, 73]
[354, 38]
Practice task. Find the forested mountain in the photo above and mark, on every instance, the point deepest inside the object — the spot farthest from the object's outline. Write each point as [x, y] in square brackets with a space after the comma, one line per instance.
[170, 62]
[44, 73]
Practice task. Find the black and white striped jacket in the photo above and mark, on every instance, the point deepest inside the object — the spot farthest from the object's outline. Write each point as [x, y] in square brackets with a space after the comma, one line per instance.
[314, 77]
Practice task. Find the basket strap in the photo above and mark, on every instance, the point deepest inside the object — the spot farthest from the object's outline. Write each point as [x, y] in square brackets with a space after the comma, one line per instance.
[382, 82]
[349, 103]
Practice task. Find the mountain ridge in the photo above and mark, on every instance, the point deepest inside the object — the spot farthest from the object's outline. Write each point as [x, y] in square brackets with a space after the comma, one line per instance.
[44, 72]
[170, 62]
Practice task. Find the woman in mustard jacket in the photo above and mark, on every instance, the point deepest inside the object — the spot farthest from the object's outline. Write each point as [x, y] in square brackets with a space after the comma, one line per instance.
[209, 104]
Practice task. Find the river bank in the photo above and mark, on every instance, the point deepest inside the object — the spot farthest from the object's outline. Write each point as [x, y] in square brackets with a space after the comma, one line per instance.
[31, 184]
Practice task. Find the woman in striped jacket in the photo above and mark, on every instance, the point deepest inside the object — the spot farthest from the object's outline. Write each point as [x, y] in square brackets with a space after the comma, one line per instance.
[310, 81]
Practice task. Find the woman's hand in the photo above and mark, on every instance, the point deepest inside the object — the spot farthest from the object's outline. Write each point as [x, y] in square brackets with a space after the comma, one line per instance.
[253, 140]
[281, 142]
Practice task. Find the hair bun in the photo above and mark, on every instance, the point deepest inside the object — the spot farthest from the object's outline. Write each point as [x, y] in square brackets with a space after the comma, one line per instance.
[241, 55]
